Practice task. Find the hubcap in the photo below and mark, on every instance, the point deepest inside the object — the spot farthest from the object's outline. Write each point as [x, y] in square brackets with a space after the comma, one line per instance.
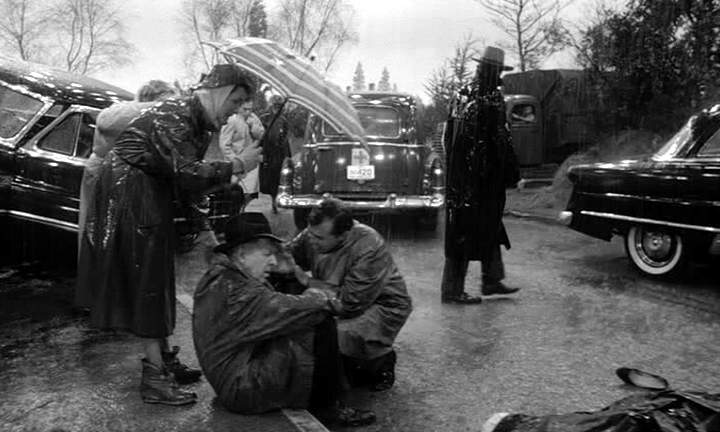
[655, 248]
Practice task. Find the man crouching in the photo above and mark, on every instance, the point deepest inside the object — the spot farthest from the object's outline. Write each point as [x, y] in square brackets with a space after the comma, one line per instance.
[260, 349]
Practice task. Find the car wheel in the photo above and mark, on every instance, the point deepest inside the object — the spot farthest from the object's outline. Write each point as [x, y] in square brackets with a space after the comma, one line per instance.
[655, 251]
[300, 218]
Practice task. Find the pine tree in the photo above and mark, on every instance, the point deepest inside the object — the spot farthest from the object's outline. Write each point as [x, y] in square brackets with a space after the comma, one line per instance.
[359, 78]
[257, 27]
[384, 83]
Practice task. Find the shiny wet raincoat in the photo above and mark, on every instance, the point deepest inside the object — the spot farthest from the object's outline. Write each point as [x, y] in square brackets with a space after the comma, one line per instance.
[481, 164]
[255, 345]
[156, 160]
[110, 123]
[375, 301]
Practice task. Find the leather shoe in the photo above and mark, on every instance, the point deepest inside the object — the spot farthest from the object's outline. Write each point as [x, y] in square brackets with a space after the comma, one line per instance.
[462, 298]
[497, 288]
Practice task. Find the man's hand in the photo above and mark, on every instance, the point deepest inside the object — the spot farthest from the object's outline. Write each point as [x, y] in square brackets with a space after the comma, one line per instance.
[301, 276]
[248, 160]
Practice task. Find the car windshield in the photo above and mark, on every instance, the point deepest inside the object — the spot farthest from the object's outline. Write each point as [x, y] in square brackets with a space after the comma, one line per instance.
[378, 122]
[16, 110]
[678, 141]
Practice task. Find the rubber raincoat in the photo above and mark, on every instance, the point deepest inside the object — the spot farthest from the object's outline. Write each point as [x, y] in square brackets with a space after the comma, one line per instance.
[158, 159]
[110, 123]
[375, 301]
[255, 345]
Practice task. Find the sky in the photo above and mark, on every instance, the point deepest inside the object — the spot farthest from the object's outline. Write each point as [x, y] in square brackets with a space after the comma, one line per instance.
[409, 37]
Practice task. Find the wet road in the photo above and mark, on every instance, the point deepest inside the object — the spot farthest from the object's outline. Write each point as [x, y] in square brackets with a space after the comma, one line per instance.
[581, 313]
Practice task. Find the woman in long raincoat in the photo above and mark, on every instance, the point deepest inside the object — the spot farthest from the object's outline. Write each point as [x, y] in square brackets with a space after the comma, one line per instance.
[158, 159]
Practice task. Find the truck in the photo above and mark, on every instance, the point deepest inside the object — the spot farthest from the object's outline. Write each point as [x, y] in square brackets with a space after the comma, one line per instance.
[551, 113]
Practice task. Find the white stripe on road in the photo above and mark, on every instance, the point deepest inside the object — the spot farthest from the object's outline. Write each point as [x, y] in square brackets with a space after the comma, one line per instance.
[300, 418]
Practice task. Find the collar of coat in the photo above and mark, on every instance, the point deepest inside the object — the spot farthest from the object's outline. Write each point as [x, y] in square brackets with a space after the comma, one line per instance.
[220, 263]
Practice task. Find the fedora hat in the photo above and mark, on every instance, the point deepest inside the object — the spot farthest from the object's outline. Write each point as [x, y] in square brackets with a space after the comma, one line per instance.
[243, 228]
[494, 56]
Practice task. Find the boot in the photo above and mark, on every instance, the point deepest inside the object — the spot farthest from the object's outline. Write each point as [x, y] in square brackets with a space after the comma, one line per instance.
[384, 372]
[159, 387]
[183, 374]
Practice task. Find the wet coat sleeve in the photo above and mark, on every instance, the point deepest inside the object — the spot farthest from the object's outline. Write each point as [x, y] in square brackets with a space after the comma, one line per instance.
[301, 250]
[228, 135]
[260, 313]
[166, 148]
[365, 280]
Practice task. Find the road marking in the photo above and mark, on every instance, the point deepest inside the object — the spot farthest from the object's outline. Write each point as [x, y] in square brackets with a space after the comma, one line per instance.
[300, 418]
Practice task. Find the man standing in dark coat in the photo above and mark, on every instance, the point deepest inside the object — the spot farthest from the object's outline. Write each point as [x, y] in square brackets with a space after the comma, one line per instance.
[156, 160]
[275, 147]
[481, 163]
[263, 350]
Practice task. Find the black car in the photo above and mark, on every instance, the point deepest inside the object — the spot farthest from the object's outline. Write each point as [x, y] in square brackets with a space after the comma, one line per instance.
[47, 122]
[397, 174]
[667, 206]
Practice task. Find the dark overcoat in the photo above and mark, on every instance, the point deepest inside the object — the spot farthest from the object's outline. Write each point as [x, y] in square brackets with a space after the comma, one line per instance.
[158, 159]
[481, 164]
[275, 148]
[255, 345]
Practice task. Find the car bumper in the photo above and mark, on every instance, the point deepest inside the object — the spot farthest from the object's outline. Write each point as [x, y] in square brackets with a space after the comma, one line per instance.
[390, 202]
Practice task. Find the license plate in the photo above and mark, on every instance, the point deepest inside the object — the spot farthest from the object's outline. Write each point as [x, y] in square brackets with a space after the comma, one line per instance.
[366, 172]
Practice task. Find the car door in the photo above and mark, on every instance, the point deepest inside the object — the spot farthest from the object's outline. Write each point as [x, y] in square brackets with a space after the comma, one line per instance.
[46, 188]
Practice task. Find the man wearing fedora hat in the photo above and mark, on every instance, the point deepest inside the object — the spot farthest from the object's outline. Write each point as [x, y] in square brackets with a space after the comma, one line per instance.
[481, 163]
[156, 160]
[261, 349]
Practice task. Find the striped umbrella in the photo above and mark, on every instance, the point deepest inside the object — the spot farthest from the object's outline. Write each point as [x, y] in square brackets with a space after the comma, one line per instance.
[296, 78]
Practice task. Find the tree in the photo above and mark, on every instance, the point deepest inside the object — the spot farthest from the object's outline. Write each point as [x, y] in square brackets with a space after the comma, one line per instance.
[533, 26]
[659, 60]
[90, 34]
[358, 78]
[85, 35]
[315, 28]
[22, 25]
[384, 83]
[456, 72]
[257, 25]
[444, 84]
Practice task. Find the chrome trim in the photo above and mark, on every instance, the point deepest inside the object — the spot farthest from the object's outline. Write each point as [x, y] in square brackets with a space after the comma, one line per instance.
[649, 221]
[32, 146]
[47, 104]
[392, 201]
[565, 217]
[67, 226]
[356, 143]
[715, 246]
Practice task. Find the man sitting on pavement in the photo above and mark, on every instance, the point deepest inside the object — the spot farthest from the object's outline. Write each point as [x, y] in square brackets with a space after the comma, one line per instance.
[353, 260]
[260, 349]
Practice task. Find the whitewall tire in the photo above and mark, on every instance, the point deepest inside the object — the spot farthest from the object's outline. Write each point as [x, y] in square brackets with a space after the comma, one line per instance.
[655, 250]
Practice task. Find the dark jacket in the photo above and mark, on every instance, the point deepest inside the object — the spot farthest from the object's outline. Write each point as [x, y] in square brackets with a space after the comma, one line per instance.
[255, 345]
[275, 148]
[130, 220]
[481, 164]
[374, 298]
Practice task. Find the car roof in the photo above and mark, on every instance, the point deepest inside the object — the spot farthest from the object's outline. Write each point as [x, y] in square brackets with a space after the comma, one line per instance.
[385, 98]
[60, 85]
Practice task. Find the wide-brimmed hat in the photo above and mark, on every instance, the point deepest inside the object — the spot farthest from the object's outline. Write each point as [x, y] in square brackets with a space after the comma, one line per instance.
[225, 74]
[243, 228]
[494, 56]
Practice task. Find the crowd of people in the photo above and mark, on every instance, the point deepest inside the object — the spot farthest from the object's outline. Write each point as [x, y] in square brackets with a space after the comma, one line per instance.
[277, 323]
